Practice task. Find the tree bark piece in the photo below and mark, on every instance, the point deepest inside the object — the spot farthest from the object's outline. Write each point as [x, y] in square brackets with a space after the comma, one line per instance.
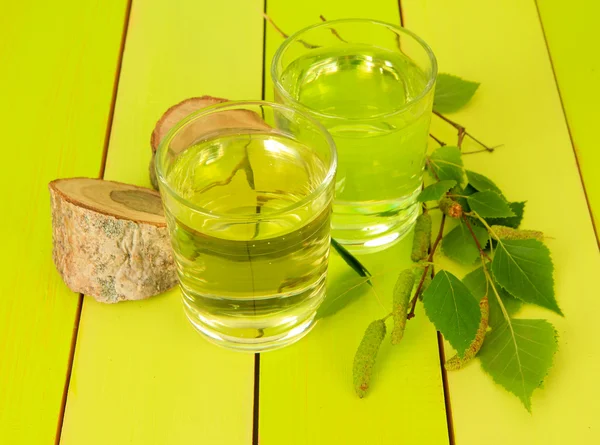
[170, 118]
[176, 113]
[110, 239]
[236, 119]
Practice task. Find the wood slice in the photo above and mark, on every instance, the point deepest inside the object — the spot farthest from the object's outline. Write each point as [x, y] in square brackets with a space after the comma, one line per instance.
[239, 119]
[171, 117]
[110, 239]
[176, 113]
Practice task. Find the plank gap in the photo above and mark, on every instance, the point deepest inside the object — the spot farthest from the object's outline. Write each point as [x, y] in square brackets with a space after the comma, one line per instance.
[113, 101]
[401, 13]
[449, 421]
[440, 338]
[63, 402]
[111, 113]
[264, 53]
[256, 405]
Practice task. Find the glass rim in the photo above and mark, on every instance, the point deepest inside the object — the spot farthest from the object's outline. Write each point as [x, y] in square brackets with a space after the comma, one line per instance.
[399, 29]
[164, 144]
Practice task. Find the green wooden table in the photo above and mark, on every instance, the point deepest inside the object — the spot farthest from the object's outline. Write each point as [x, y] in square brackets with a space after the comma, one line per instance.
[83, 85]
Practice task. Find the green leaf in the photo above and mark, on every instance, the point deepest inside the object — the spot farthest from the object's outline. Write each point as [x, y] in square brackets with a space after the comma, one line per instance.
[459, 245]
[435, 191]
[511, 304]
[518, 209]
[477, 284]
[518, 355]
[524, 268]
[481, 183]
[453, 310]
[447, 164]
[469, 190]
[351, 260]
[489, 204]
[452, 93]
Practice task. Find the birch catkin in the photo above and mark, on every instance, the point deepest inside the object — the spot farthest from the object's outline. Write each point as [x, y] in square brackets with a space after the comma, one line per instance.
[402, 291]
[457, 362]
[364, 360]
[509, 233]
[450, 207]
[422, 238]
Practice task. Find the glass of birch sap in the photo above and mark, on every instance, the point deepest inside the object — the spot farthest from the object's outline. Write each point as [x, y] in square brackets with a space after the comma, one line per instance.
[248, 189]
[371, 85]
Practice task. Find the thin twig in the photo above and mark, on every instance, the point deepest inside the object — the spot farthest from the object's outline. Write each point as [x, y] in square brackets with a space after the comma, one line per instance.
[483, 150]
[365, 280]
[431, 169]
[462, 133]
[442, 143]
[484, 222]
[277, 28]
[378, 299]
[490, 282]
[461, 138]
[477, 243]
[490, 149]
[451, 122]
[242, 165]
[284, 35]
[398, 42]
[413, 302]
[333, 31]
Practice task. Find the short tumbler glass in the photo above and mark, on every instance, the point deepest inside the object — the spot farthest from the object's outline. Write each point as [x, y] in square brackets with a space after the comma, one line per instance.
[248, 189]
[371, 85]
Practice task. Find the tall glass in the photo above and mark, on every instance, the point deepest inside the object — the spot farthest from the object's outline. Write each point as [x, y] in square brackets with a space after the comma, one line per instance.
[247, 189]
[371, 85]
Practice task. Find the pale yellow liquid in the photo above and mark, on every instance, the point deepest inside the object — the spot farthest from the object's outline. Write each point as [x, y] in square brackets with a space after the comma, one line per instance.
[358, 93]
[253, 276]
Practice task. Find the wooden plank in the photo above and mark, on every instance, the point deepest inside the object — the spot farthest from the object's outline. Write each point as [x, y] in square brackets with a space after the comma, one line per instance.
[306, 393]
[141, 374]
[58, 67]
[500, 43]
[570, 30]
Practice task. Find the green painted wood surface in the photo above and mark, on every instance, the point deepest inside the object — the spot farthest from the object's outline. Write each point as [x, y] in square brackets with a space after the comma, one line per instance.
[141, 374]
[306, 393]
[58, 65]
[572, 37]
[500, 44]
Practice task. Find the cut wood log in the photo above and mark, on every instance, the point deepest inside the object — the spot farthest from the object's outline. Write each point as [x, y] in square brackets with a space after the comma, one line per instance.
[171, 117]
[230, 119]
[176, 113]
[110, 239]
